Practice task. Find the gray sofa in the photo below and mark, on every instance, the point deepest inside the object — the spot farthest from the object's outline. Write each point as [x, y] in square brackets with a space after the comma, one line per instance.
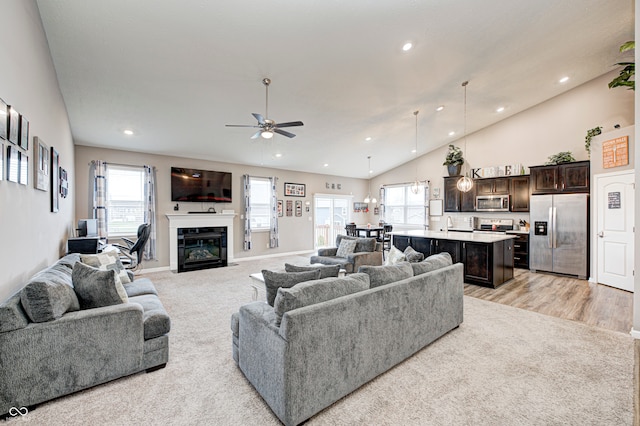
[77, 348]
[323, 351]
[367, 252]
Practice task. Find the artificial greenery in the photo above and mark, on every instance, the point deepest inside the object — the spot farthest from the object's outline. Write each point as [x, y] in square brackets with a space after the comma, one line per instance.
[590, 134]
[560, 158]
[629, 70]
[454, 157]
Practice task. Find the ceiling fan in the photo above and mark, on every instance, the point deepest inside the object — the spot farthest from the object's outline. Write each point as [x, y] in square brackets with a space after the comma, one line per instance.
[269, 127]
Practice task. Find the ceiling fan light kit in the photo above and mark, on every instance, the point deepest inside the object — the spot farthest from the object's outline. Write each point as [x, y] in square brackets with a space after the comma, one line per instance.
[269, 127]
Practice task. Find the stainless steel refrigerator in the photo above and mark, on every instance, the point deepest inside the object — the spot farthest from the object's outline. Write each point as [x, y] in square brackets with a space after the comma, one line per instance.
[559, 241]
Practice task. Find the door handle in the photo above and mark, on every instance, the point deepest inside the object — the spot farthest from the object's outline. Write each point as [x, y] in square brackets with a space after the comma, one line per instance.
[550, 228]
[601, 234]
[555, 235]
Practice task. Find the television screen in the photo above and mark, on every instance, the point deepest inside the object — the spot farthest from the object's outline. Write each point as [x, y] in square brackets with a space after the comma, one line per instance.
[200, 185]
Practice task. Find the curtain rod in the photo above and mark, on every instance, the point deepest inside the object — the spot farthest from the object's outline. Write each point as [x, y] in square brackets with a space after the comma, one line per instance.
[404, 183]
[121, 164]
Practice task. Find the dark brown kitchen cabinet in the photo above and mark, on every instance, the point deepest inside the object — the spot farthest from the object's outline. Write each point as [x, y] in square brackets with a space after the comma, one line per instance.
[449, 246]
[519, 192]
[521, 251]
[429, 246]
[401, 242]
[487, 264]
[456, 201]
[492, 186]
[568, 177]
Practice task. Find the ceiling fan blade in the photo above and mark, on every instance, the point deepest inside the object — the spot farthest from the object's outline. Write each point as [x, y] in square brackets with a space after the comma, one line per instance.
[284, 133]
[291, 124]
[258, 117]
[257, 134]
[240, 125]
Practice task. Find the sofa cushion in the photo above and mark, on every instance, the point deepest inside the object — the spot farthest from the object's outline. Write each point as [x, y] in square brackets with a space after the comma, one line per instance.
[394, 256]
[326, 271]
[69, 260]
[274, 280]
[362, 244]
[96, 288]
[12, 316]
[346, 247]
[385, 274]
[312, 292]
[49, 294]
[431, 263]
[107, 261]
[155, 318]
[140, 286]
[412, 255]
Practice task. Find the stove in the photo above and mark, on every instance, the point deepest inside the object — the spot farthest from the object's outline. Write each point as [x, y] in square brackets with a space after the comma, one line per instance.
[494, 226]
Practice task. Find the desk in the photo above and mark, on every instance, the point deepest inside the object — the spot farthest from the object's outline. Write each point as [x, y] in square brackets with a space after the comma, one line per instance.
[369, 232]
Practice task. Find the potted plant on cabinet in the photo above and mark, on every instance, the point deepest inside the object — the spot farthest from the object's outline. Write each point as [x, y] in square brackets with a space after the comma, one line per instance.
[454, 161]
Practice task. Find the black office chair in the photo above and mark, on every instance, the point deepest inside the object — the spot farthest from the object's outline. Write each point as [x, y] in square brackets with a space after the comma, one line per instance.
[131, 255]
[351, 229]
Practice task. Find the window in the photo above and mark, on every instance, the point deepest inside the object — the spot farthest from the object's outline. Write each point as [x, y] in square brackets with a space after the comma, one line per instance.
[403, 207]
[125, 200]
[260, 203]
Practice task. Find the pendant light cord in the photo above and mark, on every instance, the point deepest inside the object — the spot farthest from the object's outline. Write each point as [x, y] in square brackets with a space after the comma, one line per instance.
[464, 84]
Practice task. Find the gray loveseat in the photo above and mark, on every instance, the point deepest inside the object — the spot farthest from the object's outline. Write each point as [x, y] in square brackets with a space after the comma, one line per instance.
[323, 351]
[76, 349]
[367, 252]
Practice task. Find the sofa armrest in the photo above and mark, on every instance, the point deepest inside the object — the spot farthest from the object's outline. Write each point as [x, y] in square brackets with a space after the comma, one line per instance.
[330, 251]
[373, 258]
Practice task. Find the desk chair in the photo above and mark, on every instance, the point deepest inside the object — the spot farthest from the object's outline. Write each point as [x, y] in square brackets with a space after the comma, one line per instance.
[131, 255]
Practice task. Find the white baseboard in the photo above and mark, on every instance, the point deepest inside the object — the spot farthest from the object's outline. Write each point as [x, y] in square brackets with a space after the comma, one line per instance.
[635, 333]
[268, 256]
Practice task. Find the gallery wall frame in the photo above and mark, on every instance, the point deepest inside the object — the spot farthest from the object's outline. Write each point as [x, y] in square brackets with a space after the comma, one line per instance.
[1, 161]
[13, 130]
[55, 164]
[13, 164]
[23, 178]
[298, 208]
[23, 140]
[289, 208]
[40, 164]
[4, 122]
[294, 189]
[280, 209]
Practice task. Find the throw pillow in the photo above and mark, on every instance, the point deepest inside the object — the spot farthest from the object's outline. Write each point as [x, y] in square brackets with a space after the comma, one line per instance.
[49, 294]
[346, 247]
[431, 263]
[274, 280]
[394, 256]
[412, 255]
[96, 288]
[326, 271]
[385, 274]
[107, 261]
[312, 292]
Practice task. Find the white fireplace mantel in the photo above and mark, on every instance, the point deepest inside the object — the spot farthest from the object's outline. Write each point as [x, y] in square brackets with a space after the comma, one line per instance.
[190, 220]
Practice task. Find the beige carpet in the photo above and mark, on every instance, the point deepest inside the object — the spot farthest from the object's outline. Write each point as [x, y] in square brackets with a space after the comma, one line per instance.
[502, 366]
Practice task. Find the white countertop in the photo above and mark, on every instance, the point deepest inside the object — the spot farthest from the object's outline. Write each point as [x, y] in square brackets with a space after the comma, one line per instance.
[458, 236]
[518, 232]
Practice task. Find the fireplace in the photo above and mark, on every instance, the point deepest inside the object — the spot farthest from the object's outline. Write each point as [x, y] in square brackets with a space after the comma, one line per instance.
[202, 248]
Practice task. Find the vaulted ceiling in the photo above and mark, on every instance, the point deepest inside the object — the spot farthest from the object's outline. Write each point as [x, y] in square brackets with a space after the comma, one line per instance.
[175, 72]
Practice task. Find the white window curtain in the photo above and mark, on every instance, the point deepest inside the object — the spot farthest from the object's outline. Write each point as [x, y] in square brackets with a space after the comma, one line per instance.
[273, 228]
[150, 210]
[98, 173]
[274, 238]
[247, 212]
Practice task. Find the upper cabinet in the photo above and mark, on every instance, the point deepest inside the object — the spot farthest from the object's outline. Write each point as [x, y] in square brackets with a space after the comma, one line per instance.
[568, 177]
[516, 186]
[519, 191]
[456, 201]
[492, 186]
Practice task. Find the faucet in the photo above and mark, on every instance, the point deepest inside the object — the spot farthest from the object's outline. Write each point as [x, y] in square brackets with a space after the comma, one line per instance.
[449, 222]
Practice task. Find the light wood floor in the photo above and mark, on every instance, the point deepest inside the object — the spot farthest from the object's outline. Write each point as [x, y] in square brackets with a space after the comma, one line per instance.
[563, 297]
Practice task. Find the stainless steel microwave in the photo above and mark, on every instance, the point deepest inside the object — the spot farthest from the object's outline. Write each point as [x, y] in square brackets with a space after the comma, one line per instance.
[492, 203]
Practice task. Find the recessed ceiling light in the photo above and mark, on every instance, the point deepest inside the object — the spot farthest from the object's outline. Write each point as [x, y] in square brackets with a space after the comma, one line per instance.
[413, 151]
[326, 164]
[564, 79]
[128, 132]
[370, 171]
[500, 109]
[368, 138]
[278, 155]
[452, 133]
[440, 108]
[407, 46]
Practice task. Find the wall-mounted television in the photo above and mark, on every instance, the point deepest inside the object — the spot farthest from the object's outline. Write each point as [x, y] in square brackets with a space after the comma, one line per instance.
[200, 185]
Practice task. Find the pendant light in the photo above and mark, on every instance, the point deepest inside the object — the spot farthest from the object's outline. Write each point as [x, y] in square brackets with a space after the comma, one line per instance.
[465, 183]
[415, 186]
[368, 198]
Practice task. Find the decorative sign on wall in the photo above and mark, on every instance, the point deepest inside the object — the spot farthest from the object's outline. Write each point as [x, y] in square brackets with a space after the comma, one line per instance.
[615, 152]
[613, 200]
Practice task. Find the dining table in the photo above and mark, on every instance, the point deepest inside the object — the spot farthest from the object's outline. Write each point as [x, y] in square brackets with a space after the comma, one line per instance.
[369, 231]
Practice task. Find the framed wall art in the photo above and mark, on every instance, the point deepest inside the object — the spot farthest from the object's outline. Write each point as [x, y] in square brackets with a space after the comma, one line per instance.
[24, 168]
[280, 209]
[4, 122]
[14, 125]
[298, 208]
[294, 189]
[55, 164]
[40, 164]
[289, 208]
[1, 161]
[13, 164]
[23, 141]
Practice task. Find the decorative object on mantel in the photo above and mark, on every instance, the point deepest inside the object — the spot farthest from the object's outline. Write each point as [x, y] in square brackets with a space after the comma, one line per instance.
[629, 70]
[41, 164]
[294, 190]
[615, 153]
[560, 158]
[590, 134]
[465, 183]
[454, 160]
[415, 187]
[368, 197]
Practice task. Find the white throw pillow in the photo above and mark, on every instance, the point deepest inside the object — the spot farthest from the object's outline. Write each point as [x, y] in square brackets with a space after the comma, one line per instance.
[394, 256]
[346, 247]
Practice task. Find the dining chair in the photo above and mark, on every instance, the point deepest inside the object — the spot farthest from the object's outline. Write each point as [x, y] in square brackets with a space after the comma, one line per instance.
[385, 237]
[351, 229]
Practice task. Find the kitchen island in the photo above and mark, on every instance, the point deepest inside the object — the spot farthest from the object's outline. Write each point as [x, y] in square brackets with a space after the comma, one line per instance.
[487, 257]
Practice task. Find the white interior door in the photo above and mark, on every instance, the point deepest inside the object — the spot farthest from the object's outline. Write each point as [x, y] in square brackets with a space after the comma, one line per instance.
[615, 210]
[331, 214]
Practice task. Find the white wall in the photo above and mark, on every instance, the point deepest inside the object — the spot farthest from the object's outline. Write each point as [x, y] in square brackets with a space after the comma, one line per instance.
[32, 237]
